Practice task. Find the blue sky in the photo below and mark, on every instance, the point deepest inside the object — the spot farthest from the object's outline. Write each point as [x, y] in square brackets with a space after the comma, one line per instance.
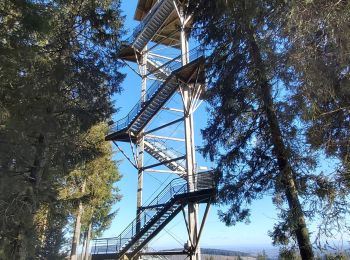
[215, 234]
[248, 237]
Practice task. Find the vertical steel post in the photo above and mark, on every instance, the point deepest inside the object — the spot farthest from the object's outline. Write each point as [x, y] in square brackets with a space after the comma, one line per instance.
[141, 139]
[189, 142]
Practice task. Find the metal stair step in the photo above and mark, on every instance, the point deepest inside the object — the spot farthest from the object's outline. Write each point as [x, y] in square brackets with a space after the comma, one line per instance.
[154, 24]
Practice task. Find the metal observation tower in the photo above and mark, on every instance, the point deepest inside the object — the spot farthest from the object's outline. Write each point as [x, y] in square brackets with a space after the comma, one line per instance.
[168, 68]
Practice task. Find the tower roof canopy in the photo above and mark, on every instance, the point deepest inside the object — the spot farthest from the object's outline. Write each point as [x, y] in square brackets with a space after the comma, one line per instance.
[143, 7]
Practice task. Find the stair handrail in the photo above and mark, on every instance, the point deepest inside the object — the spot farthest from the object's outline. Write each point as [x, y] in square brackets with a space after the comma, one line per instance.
[102, 245]
[177, 182]
[143, 216]
[157, 201]
[165, 66]
[205, 180]
[124, 122]
[143, 23]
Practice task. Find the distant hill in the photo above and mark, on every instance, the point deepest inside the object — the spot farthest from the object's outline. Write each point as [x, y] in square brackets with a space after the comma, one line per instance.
[208, 254]
[210, 251]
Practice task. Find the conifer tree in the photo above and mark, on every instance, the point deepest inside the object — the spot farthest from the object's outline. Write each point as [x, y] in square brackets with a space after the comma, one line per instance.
[253, 133]
[58, 73]
[89, 190]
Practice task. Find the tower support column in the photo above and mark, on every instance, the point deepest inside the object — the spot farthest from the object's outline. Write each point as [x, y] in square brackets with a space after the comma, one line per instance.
[189, 143]
[141, 140]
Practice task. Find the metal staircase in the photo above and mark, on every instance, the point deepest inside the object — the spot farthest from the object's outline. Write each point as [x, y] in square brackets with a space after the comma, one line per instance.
[143, 111]
[151, 24]
[155, 98]
[162, 153]
[154, 216]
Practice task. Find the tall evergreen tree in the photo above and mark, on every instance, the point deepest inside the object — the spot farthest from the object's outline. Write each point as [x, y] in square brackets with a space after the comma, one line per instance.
[58, 73]
[253, 133]
[89, 190]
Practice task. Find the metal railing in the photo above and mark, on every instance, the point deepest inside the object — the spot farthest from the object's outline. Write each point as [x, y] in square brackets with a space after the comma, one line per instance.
[172, 66]
[104, 246]
[144, 22]
[204, 181]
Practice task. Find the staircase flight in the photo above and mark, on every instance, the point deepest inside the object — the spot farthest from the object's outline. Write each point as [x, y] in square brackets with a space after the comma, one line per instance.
[154, 216]
[155, 98]
[151, 24]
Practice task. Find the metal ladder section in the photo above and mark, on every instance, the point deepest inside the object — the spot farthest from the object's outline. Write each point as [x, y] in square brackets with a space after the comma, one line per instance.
[150, 25]
[154, 216]
[155, 97]
[162, 153]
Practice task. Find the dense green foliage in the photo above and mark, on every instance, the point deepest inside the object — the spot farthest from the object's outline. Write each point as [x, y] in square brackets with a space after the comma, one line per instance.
[58, 71]
[320, 54]
[88, 191]
[278, 100]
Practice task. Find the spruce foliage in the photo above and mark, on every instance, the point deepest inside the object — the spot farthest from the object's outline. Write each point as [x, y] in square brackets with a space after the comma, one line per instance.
[260, 96]
[58, 73]
[320, 54]
[319, 44]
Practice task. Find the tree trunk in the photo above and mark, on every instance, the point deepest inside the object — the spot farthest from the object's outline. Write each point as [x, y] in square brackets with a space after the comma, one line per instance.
[76, 235]
[41, 220]
[87, 251]
[40, 161]
[280, 151]
[84, 246]
[32, 198]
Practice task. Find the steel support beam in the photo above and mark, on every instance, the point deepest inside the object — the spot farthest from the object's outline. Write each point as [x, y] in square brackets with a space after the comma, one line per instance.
[164, 253]
[122, 151]
[189, 139]
[202, 224]
[141, 139]
[165, 125]
[173, 109]
[163, 171]
[164, 162]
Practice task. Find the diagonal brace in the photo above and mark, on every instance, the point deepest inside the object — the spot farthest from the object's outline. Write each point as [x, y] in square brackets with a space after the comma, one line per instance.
[121, 150]
[202, 224]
